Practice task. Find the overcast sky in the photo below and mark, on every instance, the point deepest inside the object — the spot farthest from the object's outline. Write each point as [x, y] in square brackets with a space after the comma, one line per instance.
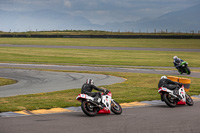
[102, 11]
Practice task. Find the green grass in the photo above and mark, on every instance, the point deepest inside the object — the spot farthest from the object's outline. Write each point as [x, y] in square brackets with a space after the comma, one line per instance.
[95, 57]
[137, 87]
[149, 43]
[4, 81]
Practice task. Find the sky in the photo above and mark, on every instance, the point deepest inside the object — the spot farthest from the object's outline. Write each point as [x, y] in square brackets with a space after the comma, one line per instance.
[101, 11]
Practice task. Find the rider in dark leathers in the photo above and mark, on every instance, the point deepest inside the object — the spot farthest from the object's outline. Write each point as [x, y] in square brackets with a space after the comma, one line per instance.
[177, 62]
[89, 86]
[165, 82]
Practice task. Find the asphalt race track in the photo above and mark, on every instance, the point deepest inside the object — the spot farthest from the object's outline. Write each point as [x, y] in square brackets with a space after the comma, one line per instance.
[33, 81]
[150, 119]
[158, 118]
[89, 68]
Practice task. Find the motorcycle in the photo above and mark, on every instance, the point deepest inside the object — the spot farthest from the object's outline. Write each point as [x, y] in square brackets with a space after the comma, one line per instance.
[172, 100]
[91, 108]
[183, 68]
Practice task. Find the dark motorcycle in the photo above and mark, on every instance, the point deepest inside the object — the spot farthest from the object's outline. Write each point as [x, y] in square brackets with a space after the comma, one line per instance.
[183, 68]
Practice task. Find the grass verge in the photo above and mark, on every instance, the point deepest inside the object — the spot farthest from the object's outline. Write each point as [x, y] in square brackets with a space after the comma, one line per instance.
[99, 57]
[4, 81]
[141, 43]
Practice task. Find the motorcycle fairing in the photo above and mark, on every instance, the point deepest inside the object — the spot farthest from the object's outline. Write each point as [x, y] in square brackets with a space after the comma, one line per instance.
[104, 111]
[165, 90]
[181, 93]
[84, 96]
[106, 100]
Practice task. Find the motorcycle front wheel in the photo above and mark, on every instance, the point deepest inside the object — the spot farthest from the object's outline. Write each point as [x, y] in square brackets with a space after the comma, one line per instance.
[189, 100]
[187, 70]
[88, 108]
[116, 108]
[169, 100]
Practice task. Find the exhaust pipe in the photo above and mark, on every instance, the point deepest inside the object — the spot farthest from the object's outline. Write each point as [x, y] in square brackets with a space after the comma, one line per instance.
[95, 104]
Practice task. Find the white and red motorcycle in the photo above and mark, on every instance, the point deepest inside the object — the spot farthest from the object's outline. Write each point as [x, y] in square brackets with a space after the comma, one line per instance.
[107, 105]
[172, 100]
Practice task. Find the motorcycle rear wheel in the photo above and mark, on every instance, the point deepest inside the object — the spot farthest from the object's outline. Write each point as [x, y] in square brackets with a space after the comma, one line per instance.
[116, 108]
[189, 100]
[169, 101]
[88, 108]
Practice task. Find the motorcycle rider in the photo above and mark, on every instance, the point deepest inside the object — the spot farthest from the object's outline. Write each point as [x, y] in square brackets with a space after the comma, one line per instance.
[89, 86]
[177, 62]
[169, 84]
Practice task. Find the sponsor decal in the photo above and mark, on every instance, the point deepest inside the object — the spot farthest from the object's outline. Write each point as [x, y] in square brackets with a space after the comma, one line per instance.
[83, 95]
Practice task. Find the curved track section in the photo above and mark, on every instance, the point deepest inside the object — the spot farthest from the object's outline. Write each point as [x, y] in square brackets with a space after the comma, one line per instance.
[89, 68]
[33, 81]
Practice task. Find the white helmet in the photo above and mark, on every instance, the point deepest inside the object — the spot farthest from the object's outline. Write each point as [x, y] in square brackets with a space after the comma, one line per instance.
[89, 81]
[163, 77]
[175, 57]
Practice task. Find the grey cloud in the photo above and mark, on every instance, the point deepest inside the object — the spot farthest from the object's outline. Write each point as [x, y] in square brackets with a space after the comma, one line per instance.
[102, 11]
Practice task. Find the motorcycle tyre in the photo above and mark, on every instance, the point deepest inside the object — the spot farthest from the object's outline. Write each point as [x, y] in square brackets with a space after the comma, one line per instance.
[188, 70]
[117, 112]
[189, 100]
[167, 101]
[87, 112]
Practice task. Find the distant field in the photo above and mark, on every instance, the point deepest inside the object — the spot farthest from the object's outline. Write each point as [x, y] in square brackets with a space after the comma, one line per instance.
[149, 43]
[95, 32]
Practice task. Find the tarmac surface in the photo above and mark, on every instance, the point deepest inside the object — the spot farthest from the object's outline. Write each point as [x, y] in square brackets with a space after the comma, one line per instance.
[104, 68]
[147, 119]
[33, 81]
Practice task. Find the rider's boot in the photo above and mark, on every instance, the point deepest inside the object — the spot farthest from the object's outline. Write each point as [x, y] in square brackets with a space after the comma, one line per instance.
[97, 100]
[175, 92]
[180, 71]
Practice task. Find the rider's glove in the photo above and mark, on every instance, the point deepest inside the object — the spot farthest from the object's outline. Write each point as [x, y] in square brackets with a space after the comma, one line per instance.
[106, 91]
[180, 84]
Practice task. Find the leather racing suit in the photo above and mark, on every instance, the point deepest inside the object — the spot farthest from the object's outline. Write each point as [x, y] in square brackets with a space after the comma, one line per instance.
[87, 89]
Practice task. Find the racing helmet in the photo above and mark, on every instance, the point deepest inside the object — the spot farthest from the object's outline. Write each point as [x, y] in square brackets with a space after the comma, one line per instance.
[163, 77]
[177, 60]
[175, 57]
[90, 81]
